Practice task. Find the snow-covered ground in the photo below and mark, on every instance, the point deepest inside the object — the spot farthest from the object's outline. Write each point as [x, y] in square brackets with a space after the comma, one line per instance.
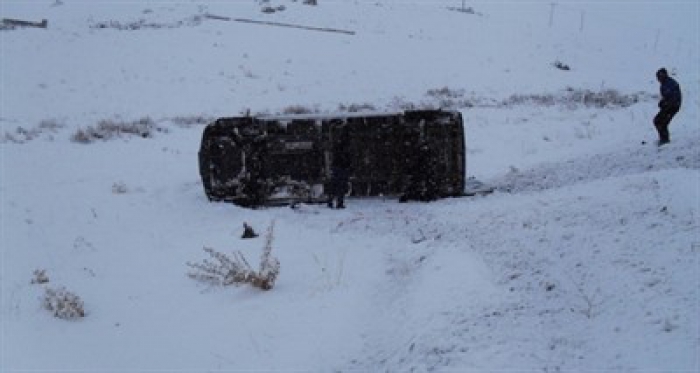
[584, 258]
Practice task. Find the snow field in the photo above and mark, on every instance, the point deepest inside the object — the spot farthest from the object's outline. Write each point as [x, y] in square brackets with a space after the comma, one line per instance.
[585, 257]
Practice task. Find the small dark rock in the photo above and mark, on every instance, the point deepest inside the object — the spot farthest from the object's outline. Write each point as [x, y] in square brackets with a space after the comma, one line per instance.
[248, 231]
[562, 66]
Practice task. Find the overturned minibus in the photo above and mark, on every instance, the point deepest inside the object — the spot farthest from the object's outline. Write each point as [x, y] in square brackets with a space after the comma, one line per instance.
[270, 160]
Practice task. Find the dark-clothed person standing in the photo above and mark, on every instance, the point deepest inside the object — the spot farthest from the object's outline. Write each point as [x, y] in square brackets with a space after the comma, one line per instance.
[669, 105]
[340, 171]
[339, 187]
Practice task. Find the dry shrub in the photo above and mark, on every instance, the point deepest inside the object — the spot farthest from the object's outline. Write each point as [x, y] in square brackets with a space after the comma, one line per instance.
[356, 108]
[142, 24]
[449, 98]
[604, 98]
[63, 303]
[235, 270]
[21, 135]
[573, 98]
[40, 277]
[119, 188]
[109, 129]
[192, 120]
[298, 109]
[445, 92]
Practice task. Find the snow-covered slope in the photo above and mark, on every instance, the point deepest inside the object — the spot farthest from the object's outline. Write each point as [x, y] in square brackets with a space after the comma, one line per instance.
[585, 258]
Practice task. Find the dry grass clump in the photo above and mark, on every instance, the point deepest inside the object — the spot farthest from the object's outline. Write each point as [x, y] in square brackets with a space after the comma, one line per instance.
[235, 270]
[109, 129]
[63, 303]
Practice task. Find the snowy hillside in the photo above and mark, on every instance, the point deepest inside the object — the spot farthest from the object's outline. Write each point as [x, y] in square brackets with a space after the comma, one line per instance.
[584, 258]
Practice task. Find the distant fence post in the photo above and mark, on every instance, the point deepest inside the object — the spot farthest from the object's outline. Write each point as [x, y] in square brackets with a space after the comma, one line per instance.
[12, 23]
[656, 40]
[551, 14]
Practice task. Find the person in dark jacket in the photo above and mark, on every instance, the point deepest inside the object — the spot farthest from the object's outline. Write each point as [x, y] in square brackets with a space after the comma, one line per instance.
[669, 105]
[339, 187]
[340, 172]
